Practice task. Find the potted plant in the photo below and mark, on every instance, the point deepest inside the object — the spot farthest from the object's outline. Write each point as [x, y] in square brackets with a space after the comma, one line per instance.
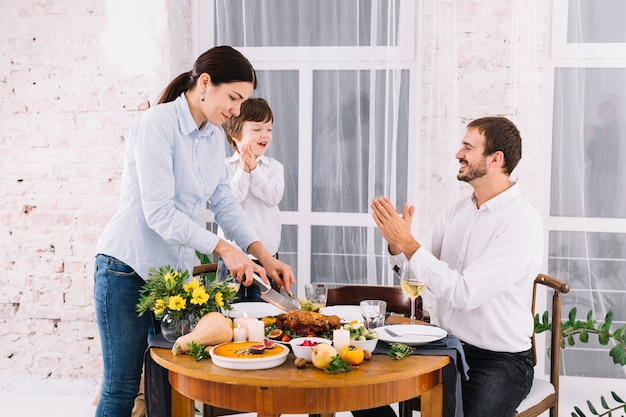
[179, 302]
[574, 328]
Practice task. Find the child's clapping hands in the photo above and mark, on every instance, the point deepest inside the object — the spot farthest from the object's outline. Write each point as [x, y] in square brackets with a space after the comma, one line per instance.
[248, 159]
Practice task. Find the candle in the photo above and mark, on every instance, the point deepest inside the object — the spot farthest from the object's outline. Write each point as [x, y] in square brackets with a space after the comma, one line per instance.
[341, 337]
[240, 334]
[241, 322]
[256, 330]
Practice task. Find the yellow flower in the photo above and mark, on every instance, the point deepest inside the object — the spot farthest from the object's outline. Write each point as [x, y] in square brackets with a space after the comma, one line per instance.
[159, 307]
[219, 299]
[177, 303]
[199, 296]
[168, 278]
[191, 286]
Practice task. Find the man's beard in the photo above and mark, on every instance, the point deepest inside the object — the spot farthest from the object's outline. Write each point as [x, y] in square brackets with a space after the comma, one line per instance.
[472, 172]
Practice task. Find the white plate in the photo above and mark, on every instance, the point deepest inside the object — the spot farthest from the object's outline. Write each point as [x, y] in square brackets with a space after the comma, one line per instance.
[249, 362]
[255, 310]
[411, 334]
[346, 313]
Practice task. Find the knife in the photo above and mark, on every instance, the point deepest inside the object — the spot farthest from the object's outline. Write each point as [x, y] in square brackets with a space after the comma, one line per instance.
[272, 296]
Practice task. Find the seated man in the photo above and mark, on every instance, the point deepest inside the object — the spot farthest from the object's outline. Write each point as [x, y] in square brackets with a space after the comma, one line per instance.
[480, 259]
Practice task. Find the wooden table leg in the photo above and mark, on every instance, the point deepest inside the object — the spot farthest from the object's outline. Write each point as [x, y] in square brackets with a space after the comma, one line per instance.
[432, 401]
[182, 406]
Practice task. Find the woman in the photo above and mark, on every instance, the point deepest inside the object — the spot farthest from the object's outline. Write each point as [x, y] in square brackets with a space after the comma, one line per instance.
[173, 165]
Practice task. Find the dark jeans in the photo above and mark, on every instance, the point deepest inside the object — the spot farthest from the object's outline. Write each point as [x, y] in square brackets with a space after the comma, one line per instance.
[498, 382]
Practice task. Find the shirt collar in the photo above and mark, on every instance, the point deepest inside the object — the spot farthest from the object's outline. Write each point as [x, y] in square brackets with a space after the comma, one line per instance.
[504, 197]
[235, 157]
[187, 123]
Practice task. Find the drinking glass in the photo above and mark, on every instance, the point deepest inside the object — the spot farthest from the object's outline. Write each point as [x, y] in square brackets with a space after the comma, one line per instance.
[223, 274]
[411, 286]
[316, 294]
[373, 312]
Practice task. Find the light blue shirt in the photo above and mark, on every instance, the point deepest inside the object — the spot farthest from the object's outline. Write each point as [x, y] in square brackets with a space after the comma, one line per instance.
[171, 169]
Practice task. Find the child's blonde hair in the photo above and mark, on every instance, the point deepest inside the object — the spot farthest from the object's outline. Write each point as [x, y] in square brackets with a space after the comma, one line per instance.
[254, 109]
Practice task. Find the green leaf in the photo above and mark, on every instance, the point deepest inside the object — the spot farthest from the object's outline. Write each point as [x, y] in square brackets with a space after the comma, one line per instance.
[592, 408]
[572, 314]
[603, 338]
[570, 340]
[584, 336]
[605, 405]
[578, 412]
[545, 318]
[618, 353]
[589, 315]
[617, 398]
[204, 259]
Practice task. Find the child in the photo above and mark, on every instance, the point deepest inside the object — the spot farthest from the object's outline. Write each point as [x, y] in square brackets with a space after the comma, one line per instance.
[257, 180]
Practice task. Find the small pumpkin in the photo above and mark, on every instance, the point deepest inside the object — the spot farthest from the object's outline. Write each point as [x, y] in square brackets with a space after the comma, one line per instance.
[212, 329]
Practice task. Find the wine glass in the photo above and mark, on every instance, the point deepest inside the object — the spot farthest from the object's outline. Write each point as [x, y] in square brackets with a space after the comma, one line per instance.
[411, 286]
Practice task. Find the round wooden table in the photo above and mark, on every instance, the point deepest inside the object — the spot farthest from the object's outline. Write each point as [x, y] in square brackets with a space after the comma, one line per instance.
[289, 390]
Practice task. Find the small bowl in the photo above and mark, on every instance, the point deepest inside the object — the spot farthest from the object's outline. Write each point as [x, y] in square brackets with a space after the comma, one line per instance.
[365, 344]
[305, 351]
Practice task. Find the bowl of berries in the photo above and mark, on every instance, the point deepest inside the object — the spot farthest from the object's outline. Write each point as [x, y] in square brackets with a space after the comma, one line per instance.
[301, 346]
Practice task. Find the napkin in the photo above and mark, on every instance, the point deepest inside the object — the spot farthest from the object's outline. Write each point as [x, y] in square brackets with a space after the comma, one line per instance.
[450, 346]
[159, 341]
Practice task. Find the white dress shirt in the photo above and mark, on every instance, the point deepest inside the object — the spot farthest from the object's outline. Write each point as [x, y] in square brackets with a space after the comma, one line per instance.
[481, 264]
[260, 191]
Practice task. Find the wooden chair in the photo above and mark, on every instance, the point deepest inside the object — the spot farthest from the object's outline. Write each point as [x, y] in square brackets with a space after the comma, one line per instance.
[397, 301]
[544, 395]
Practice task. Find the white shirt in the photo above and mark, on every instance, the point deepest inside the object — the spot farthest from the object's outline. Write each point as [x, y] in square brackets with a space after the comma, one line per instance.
[260, 191]
[481, 264]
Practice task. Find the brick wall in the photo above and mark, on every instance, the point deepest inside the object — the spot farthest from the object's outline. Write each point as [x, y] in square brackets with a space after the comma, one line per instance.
[67, 104]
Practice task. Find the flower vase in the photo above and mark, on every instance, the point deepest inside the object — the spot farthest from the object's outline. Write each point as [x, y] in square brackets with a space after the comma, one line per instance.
[173, 328]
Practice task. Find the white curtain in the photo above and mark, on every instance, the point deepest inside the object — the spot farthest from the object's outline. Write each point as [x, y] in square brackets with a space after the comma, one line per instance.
[345, 130]
[588, 182]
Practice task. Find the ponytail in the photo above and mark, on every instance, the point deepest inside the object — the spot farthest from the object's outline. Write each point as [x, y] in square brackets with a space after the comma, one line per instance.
[176, 87]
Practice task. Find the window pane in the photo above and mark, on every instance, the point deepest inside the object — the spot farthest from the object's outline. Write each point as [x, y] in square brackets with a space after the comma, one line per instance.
[350, 165]
[591, 21]
[305, 22]
[280, 89]
[594, 265]
[339, 255]
[588, 143]
[288, 251]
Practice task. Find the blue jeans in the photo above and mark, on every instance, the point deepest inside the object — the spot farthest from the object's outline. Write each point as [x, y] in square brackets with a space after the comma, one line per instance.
[123, 334]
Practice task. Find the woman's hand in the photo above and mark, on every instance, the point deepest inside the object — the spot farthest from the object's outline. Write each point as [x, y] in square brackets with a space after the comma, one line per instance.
[280, 272]
[240, 266]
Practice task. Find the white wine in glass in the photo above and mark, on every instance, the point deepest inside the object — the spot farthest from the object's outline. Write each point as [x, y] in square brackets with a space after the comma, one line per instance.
[411, 286]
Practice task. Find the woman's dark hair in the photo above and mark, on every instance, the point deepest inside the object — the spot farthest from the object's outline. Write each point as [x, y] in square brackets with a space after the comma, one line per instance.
[500, 135]
[254, 109]
[223, 63]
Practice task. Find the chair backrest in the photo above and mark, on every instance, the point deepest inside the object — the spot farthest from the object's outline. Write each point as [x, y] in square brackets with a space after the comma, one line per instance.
[397, 301]
[538, 401]
[204, 269]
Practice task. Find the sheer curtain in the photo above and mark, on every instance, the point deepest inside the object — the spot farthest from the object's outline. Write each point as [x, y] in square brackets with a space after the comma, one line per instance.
[587, 240]
[367, 102]
[334, 74]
